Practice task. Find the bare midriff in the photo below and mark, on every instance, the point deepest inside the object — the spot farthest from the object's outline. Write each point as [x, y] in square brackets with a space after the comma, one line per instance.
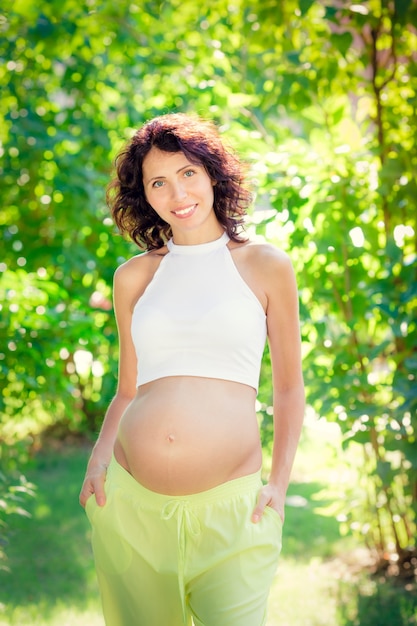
[182, 434]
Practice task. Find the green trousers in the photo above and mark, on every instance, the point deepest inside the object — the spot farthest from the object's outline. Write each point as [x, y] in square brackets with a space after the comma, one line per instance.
[176, 560]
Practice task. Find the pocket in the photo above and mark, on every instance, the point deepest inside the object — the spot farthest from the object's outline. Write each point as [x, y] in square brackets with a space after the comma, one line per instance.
[274, 515]
[273, 528]
[90, 507]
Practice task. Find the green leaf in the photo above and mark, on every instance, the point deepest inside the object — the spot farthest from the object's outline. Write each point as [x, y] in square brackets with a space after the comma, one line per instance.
[330, 13]
[305, 6]
[338, 115]
[342, 41]
[401, 8]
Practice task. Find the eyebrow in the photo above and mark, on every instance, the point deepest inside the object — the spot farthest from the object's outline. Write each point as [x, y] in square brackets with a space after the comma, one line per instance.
[185, 167]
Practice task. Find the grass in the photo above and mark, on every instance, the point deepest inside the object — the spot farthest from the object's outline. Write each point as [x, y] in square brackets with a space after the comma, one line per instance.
[49, 553]
[319, 582]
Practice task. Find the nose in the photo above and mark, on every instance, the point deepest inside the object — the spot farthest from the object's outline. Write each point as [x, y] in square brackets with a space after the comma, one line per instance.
[179, 192]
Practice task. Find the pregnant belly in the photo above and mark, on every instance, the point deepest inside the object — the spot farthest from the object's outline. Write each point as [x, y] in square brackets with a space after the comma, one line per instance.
[185, 435]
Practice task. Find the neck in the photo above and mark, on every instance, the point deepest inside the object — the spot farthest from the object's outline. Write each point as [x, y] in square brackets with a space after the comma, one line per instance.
[193, 238]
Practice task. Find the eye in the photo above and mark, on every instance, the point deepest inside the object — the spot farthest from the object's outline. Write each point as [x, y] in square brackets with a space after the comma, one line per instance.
[157, 184]
[189, 173]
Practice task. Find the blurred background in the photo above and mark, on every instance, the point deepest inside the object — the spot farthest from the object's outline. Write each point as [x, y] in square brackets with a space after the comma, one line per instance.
[320, 99]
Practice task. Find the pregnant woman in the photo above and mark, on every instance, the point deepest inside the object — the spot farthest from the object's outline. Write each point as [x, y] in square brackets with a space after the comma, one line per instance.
[183, 529]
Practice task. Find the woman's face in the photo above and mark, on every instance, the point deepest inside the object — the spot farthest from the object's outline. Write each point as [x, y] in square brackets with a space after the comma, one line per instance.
[179, 191]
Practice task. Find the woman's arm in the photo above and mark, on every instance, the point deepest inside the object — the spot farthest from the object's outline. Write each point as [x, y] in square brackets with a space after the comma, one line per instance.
[126, 389]
[288, 387]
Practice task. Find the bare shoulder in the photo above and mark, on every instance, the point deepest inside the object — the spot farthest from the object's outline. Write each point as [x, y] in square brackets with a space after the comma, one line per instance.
[265, 257]
[139, 266]
[132, 277]
[268, 252]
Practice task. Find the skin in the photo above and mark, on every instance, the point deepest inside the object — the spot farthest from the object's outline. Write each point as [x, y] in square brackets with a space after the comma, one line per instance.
[182, 434]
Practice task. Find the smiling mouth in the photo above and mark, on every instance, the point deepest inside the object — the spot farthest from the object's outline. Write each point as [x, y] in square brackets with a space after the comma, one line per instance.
[185, 212]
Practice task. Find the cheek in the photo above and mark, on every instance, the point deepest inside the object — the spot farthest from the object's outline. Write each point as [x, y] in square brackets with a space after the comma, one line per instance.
[154, 199]
[159, 206]
[210, 192]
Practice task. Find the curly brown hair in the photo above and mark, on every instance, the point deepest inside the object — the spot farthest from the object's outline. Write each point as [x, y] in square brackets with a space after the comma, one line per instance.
[199, 140]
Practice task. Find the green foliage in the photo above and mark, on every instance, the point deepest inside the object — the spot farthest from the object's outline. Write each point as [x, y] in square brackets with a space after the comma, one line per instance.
[321, 101]
[14, 493]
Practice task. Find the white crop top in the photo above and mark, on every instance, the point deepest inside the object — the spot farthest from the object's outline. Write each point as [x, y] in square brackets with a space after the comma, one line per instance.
[198, 317]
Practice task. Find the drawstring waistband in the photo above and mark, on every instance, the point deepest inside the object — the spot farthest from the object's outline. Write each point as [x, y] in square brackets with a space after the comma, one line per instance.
[157, 501]
[184, 513]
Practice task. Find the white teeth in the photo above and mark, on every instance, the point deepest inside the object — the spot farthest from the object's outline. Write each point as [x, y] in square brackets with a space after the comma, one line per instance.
[185, 211]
